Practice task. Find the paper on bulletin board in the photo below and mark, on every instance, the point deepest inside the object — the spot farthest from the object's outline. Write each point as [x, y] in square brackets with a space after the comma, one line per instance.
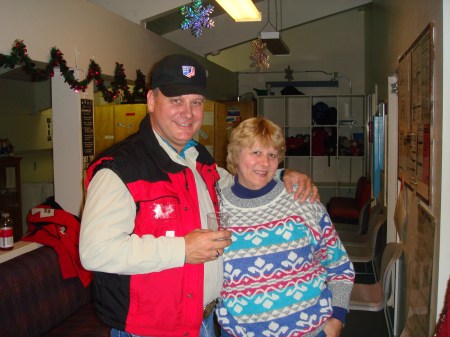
[208, 118]
[206, 133]
[206, 137]
[210, 149]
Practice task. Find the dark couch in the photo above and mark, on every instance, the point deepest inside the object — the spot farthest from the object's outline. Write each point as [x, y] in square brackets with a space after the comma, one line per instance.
[36, 301]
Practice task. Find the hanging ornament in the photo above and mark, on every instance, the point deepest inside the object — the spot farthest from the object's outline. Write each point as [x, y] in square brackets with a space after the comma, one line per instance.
[196, 17]
[260, 60]
[289, 73]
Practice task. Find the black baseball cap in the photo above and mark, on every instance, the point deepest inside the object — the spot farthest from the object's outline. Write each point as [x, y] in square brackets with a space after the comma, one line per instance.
[177, 75]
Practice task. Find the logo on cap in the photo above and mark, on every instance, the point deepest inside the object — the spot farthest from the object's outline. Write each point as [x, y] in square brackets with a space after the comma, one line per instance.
[188, 71]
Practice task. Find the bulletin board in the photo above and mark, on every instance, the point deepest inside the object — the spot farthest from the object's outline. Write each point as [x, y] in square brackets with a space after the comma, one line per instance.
[419, 255]
[205, 135]
[415, 100]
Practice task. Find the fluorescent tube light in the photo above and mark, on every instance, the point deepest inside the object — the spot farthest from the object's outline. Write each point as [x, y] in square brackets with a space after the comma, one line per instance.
[241, 10]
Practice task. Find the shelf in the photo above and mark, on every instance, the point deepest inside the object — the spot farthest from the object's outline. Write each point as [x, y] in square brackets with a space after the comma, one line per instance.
[10, 192]
[333, 154]
[20, 247]
[26, 152]
[305, 84]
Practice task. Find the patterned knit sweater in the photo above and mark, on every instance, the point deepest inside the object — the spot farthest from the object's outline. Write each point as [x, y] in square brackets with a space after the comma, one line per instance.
[286, 272]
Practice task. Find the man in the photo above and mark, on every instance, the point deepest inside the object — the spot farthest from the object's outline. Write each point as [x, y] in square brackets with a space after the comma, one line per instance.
[158, 272]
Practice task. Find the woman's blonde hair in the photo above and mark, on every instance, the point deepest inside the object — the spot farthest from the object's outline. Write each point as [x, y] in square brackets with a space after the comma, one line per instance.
[254, 130]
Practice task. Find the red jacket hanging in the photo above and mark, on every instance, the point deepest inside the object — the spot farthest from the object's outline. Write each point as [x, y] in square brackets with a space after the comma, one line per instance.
[50, 225]
[443, 326]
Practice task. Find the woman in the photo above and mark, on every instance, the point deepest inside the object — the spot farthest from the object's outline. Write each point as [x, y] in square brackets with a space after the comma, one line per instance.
[286, 272]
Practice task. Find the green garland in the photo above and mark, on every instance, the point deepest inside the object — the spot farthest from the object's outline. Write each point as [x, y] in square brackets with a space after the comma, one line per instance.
[119, 88]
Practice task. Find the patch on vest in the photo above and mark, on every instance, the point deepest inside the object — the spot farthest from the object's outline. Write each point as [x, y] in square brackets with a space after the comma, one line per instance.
[164, 211]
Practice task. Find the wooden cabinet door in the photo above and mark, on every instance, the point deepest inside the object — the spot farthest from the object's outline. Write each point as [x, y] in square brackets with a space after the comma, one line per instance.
[127, 118]
[228, 115]
[113, 123]
[103, 128]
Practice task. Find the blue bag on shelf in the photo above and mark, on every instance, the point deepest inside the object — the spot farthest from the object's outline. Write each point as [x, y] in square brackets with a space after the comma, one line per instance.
[322, 114]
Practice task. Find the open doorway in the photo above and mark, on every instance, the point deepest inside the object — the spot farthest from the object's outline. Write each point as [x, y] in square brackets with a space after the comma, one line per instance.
[26, 124]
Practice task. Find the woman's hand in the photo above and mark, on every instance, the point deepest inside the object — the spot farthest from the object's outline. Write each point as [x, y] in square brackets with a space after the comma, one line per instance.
[306, 188]
[333, 328]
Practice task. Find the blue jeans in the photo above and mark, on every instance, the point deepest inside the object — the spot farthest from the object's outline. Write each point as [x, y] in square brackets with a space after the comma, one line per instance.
[206, 330]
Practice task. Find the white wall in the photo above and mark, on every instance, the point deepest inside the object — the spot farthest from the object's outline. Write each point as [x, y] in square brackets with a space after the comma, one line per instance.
[67, 144]
[444, 249]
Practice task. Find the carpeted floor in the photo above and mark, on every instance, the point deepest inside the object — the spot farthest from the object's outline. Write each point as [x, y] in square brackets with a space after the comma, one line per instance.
[365, 324]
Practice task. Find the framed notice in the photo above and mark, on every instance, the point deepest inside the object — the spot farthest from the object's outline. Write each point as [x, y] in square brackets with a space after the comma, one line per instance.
[415, 77]
[87, 130]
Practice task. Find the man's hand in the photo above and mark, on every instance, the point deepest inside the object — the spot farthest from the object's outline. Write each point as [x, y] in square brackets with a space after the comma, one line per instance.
[333, 328]
[205, 245]
[306, 189]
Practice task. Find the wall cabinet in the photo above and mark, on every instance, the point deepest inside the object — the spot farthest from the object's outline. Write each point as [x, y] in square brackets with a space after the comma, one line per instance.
[220, 118]
[326, 138]
[10, 192]
[113, 123]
